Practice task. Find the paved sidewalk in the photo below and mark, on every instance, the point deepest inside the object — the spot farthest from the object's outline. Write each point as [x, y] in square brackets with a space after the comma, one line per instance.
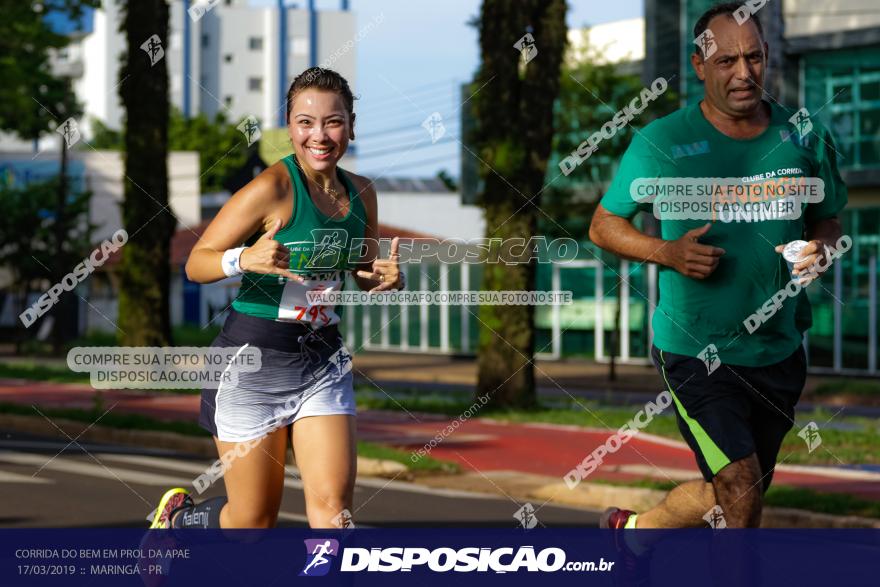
[478, 444]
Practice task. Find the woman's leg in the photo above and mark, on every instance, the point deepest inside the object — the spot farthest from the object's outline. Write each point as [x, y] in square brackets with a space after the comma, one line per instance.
[326, 456]
[254, 482]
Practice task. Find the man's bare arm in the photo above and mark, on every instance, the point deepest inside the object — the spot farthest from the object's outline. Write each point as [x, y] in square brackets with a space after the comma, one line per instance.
[686, 255]
[827, 231]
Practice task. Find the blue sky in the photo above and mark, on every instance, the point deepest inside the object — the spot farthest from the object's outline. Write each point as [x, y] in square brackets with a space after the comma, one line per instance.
[61, 23]
[412, 64]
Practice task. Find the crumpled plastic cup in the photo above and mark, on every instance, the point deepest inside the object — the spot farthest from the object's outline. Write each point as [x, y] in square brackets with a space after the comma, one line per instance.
[792, 254]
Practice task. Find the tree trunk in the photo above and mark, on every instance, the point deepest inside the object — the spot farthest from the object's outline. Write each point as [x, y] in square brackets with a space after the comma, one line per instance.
[512, 103]
[144, 316]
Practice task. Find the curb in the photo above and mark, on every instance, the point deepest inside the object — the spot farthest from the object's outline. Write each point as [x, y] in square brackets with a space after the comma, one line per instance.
[172, 441]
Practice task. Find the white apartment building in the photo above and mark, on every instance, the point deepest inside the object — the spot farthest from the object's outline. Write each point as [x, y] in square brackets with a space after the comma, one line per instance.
[620, 41]
[235, 56]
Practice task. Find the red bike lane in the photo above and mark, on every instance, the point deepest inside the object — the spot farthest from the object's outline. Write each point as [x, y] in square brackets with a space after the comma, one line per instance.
[477, 444]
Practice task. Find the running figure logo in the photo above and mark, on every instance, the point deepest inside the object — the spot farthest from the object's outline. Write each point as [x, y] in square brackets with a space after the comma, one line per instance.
[329, 245]
[434, 125]
[810, 434]
[319, 555]
[200, 7]
[69, 130]
[153, 48]
[801, 121]
[526, 516]
[343, 520]
[715, 518]
[710, 358]
[706, 43]
[527, 48]
[325, 252]
[250, 128]
[341, 361]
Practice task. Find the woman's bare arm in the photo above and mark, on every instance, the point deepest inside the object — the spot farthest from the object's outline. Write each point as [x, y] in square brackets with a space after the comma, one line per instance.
[254, 207]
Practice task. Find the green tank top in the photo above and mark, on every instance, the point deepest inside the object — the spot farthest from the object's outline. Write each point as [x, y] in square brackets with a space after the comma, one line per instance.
[322, 250]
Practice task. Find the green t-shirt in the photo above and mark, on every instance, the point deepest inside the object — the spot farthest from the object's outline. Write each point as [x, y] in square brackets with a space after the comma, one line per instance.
[322, 251]
[692, 314]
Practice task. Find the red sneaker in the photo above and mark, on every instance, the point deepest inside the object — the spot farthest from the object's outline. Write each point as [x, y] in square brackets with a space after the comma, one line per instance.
[632, 570]
[614, 518]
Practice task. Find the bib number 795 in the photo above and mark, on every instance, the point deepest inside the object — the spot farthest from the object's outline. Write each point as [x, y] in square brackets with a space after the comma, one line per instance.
[314, 314]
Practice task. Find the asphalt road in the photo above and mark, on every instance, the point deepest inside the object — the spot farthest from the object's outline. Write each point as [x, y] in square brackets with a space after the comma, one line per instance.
[45, 482]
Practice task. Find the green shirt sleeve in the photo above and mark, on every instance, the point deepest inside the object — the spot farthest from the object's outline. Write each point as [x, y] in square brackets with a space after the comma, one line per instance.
[639, 161]
[826, 169]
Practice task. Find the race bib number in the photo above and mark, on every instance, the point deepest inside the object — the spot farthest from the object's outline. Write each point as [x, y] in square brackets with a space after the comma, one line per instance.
[295, 305]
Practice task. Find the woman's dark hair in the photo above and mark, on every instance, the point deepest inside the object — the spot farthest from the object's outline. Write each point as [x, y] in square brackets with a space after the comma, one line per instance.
[321, 79]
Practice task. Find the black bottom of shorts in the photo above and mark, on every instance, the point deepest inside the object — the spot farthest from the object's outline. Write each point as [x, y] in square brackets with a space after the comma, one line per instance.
[293, 358]
[734, 411]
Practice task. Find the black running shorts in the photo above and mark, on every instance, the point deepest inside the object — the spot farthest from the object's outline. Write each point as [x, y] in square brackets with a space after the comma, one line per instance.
[734, 411]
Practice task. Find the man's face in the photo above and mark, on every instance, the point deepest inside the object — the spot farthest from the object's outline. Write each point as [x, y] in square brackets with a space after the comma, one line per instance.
[734, 74]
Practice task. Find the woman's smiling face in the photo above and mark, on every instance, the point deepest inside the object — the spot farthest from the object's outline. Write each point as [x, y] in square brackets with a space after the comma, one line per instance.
[319, 128]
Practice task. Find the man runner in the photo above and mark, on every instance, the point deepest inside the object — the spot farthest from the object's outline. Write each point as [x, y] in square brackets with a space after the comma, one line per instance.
[713, 276]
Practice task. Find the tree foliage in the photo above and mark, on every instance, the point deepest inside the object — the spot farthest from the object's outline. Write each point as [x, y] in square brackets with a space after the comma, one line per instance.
[33, 99]
[30, 235]
[591, 92]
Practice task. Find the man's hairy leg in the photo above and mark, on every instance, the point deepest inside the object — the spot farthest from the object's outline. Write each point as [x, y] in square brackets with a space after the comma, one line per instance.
[683, 507]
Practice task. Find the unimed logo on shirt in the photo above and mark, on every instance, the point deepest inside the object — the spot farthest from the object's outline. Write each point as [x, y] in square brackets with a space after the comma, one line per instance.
[320, 553]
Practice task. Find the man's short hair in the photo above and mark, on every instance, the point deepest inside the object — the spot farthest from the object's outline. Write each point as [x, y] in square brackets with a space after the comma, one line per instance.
[727, 8]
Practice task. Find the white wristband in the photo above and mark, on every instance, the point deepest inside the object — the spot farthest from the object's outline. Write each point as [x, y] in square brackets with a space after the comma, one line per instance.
[231, 262]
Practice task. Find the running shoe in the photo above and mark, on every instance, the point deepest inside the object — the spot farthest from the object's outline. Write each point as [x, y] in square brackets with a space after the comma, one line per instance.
[154, 568]
[632, 570]
[172, 500]
[614, 518]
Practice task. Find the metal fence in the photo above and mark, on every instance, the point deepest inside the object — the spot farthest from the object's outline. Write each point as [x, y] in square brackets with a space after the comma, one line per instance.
[842, 340]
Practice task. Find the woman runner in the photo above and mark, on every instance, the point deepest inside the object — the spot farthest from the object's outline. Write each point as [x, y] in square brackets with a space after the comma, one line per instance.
[311, 213]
